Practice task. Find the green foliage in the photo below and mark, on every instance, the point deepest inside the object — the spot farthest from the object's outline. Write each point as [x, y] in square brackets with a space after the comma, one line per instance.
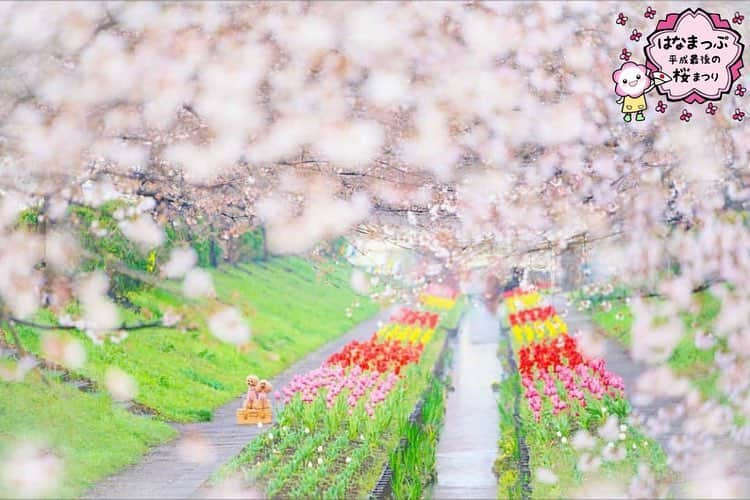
[203, 247]
[251, 246]
[507, 464]
[113, 246]
[413, 465]
[686, 359]
[185, 375]
[29, 218]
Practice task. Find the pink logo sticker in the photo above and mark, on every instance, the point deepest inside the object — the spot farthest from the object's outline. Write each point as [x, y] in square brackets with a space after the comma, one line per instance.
[700, 53]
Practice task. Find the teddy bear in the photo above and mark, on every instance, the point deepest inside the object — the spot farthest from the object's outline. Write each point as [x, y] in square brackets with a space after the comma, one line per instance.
[262, 402]
[252, 391]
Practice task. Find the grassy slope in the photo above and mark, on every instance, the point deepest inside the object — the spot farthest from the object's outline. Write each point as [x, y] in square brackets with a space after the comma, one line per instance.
[686, 360]
[182, 375]
[91, 435]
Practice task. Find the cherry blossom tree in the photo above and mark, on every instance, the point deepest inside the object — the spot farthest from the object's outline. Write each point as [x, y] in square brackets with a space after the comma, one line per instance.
[463, 131]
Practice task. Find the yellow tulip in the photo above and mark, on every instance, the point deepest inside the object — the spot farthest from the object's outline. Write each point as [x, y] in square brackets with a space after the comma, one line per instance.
[517, 333]
[529, 332]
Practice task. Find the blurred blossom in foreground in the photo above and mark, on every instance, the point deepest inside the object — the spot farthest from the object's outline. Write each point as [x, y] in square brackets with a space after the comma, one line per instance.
[477, 135]
[68, 352]
[716, 475]
[30, 471]
[360, 282]
[234, 487]
[228, 325]
[120, 385]
[198, 283]
[196, 448]
[181, 261]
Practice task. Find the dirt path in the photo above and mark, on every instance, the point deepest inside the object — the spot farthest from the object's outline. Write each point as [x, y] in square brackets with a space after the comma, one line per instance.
[163, 474]
[468, 442]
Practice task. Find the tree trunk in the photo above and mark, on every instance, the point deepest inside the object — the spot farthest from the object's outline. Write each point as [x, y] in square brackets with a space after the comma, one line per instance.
[213, 254]
[265, 245]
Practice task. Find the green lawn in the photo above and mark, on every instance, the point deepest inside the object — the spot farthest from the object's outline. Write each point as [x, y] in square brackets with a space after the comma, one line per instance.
[87, 431]
[185, 375]
[182, 375]
[686, 360]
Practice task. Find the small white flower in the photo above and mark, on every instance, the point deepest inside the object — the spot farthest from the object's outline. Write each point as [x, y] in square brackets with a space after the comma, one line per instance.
[348, 459]
[623, 427]
[621, 437]
[320, 461]
[309, 464]
[320, 449]
[307, 430]
[564, 440]
[559, 434]
[270, 435]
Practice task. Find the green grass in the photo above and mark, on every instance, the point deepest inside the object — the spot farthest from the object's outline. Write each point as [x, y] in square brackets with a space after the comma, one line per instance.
[91, 435]
[616, 322]
[182, 375]
[414, 466]
[686, 359]
[547, 450]
[185, 375]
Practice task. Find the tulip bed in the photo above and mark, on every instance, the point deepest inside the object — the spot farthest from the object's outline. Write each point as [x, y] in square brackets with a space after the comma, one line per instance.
[410, 326]
[440, 297]
[571, 417]
[343, 422]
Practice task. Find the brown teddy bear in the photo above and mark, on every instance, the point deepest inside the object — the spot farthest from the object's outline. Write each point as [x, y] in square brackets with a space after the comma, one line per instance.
[264, 388]
[252, 391]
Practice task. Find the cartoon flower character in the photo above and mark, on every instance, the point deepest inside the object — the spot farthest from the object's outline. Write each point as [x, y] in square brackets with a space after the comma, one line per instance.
[632, 82]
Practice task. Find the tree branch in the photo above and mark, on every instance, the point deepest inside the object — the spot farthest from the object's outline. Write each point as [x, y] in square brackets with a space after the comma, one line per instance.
[123, 326]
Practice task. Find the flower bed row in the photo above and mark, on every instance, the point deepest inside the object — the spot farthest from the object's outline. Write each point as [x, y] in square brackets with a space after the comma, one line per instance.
[438, 296]
[533, 314]
[342, 422]
[406, 316]
[414, 334]
[572, 421]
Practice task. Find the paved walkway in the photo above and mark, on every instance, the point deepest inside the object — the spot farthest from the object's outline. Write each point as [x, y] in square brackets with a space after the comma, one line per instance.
[468, 442]
[163, 474]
